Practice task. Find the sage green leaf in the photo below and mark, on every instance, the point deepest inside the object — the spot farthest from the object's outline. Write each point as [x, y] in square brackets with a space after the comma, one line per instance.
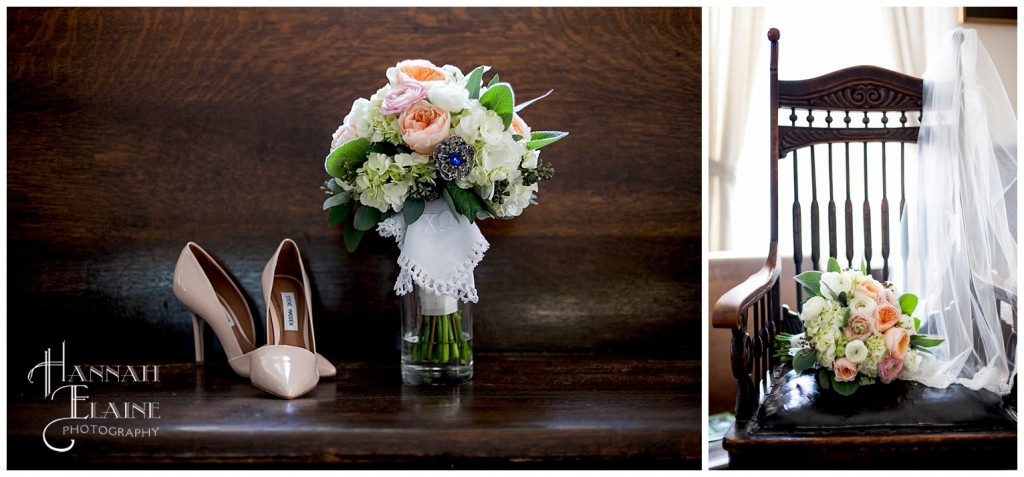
[450, 202]
[843, 299]
[917, 324]
[523, 106]
[804, 360]
[495, 80]
[833, 265]
[465, 201]
[500, 99]
[412, 210]
[517, 138]
[352, 236]
[924, 341]
[338, 215]
[539, 139]
[846, 316]
[808, 292]
[845, 388]
[336, 199]
[824, 380]
[908, 303]
[810, 280]
[475, 80]
[348, 156]
[366, 217]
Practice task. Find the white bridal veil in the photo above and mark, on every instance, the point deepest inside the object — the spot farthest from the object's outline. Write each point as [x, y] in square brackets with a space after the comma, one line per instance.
[964, 244]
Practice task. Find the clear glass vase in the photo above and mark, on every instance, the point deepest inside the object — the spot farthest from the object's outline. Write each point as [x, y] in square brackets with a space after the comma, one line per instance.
[437, 339]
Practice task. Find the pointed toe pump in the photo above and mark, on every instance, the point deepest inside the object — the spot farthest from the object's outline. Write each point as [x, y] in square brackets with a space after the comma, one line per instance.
[287, 366]
[212, 297]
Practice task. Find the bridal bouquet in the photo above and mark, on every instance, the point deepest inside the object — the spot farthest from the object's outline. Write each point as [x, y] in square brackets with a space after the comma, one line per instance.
[856, 330]
[422, 159]
[433, 133]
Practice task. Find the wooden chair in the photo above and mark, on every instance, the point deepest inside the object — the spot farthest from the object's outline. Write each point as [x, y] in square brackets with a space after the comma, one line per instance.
[783, 421]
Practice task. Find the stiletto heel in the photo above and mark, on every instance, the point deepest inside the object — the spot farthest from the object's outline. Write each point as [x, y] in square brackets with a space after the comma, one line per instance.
[213, 298]
[197, 333]
[287, 366]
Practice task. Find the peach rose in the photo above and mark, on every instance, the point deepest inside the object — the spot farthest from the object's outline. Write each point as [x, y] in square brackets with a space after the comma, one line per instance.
[845, 369]
[889, 368]
[886, 317]
[897, 341]
[424, 126]
[421, 71]
[520, 127]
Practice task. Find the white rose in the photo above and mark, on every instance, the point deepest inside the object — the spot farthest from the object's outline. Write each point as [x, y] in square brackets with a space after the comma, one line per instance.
[812, 308]
[359, 117]
[834, 283]
[863, 305]
[451, 98]
[856, 351]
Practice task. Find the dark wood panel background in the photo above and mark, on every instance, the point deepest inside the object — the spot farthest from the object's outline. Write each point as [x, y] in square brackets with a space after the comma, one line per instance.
[133, 131]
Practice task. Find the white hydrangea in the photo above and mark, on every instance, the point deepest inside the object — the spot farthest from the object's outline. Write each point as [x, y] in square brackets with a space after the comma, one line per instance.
[382, 183]
[876, 352]
[530, 159]
[370, 123]
[477, 124]
[518, 198]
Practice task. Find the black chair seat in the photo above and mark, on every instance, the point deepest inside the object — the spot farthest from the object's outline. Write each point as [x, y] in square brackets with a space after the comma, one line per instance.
[797, 406]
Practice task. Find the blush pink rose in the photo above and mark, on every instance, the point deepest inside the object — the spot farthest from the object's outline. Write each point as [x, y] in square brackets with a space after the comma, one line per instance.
[889, 368]
[424, 126]
[897, 341]
[403, 96]
[869, 288]
[420, 71]
[886, 317]
[345, 133]
[845, 369]
[860, 326]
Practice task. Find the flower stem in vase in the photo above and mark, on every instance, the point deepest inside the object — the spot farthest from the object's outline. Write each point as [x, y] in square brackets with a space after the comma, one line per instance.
[437, 347]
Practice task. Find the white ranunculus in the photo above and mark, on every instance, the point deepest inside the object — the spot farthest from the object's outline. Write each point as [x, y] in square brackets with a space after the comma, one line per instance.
[450, 97]
[863, 305]
[834, 283]
[911, 361]
[812, 308]
[856, 351]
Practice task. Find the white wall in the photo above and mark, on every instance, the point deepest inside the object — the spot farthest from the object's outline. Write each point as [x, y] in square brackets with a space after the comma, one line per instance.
[1001, 43]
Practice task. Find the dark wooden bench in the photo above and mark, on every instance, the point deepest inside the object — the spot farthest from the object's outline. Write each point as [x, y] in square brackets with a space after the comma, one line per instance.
[133, 131]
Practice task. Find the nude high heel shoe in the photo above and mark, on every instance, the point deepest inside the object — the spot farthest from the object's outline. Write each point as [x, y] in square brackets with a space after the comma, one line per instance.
[211, 296]
[286, 367]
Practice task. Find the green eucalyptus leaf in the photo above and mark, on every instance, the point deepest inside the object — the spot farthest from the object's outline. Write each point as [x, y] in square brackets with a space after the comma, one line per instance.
[804, 360]
[924, 341]
[845, 388]
[500, 99]
[474, 80]
[413, 209]
[810, 280]
[366, 217]
[450, 202]
[539, 139]
[348, 156]
[833, 265]
[517, 138]
[908, 303]
[846, 316]
[338, 215]
[336, 199]
[352, 236]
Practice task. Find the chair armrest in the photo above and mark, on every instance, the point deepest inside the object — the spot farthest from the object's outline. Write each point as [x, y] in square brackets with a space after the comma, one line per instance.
[727, 310]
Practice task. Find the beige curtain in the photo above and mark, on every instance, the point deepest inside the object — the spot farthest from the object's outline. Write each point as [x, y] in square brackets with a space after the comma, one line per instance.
[735, 36]
[916, 32]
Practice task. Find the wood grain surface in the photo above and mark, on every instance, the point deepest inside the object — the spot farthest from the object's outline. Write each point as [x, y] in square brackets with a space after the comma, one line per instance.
[133, 131]
[521, 411]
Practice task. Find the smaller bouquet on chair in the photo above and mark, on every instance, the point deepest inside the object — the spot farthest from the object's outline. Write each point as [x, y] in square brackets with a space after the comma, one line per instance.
[856, 330]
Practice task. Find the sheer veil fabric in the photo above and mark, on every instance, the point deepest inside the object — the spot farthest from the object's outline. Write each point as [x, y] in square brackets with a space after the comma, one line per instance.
[963, 248]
